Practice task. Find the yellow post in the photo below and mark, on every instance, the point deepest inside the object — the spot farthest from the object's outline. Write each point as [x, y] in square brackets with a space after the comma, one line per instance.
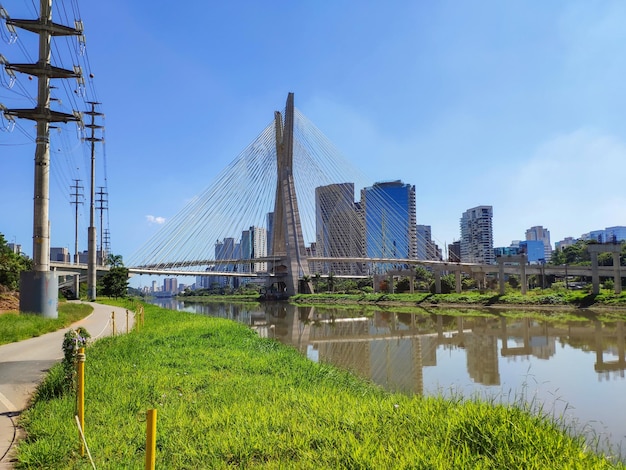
[81, 396]
[113, 321]
[151, 418]
[126, 321]
[142, 316]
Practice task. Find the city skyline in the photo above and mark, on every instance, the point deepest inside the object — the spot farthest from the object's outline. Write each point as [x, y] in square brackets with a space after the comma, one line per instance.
[517, 106]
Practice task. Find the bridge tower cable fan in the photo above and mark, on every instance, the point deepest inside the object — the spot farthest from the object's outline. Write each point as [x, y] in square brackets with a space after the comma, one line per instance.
[287, 240]
[39, 287]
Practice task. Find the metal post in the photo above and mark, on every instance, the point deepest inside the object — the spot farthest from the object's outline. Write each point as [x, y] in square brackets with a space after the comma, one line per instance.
[151, 421]
[81, 396]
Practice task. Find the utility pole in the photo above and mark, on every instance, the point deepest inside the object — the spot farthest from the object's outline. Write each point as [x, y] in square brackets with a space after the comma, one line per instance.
[76, 202]
[102, 206]
[91, 233]
[39, 287]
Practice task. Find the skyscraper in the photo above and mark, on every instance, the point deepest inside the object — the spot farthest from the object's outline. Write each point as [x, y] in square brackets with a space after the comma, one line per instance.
[426, 248]
[541, 234]
[254, 245]
[225, 250]
[338, 227]
[170, 284]
[477, 235]
[454, 252]
[390, 221]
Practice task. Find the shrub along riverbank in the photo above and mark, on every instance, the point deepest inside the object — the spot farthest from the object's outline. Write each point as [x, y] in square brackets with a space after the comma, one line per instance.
[227, 398]
[538, 297]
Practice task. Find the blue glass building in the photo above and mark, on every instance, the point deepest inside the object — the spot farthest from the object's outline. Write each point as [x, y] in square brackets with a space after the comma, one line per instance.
[390, 221]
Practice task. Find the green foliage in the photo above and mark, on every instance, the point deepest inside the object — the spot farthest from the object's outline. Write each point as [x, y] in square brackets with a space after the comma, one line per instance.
[403, 285]
[448, 284]
[559, 296]
[227, 398]
[73, 340]
[114, 261]
[115, 282]
[11, 265]
[577, 254]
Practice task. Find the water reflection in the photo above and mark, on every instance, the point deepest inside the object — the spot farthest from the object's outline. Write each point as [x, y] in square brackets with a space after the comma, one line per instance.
[574, 368]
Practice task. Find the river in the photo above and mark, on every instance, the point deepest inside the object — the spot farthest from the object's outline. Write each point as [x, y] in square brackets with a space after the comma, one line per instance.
[574, 368]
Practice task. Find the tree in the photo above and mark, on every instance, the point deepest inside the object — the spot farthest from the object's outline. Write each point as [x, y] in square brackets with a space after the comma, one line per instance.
[11, 264]
[115, 282]
[331, 281]
[115, 261]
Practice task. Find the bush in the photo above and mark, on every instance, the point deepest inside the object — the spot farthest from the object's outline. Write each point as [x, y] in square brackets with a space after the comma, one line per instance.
[72, 342]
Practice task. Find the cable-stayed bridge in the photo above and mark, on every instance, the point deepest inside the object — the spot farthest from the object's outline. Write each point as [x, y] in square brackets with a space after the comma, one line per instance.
[288, 196]
[285, 209]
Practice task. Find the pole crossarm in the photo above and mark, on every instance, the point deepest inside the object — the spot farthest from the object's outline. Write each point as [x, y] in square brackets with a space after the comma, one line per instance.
[44, 70]
[45, 114]
[39, 26]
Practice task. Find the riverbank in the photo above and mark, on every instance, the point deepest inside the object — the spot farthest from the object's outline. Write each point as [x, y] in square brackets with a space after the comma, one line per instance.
[228, 398]
[534, 299]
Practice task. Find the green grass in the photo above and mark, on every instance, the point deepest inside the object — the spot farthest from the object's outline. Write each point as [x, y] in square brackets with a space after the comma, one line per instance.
[19, 326]
[535, 297]
[229, 399]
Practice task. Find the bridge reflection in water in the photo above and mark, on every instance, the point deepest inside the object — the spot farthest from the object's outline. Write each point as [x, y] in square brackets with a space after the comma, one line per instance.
[575, 368]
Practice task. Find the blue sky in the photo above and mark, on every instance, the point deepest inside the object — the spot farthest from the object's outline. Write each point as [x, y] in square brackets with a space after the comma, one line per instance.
[518, 105]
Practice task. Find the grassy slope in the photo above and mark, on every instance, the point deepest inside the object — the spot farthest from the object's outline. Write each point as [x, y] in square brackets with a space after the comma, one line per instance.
[16, 327]
[228, 399]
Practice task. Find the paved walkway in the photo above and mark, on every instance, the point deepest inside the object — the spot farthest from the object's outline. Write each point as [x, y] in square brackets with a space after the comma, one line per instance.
[24, 364]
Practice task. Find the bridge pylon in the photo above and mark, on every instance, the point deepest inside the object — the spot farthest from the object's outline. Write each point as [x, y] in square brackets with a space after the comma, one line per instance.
[287, 241]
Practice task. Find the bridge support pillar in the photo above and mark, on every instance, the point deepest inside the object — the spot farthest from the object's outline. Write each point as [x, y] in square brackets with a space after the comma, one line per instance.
[521, 260]
[287, 238]
[457, 279]
[77, 286]
[39, 293]
[437, 280]
[595, 277]
[617, 277]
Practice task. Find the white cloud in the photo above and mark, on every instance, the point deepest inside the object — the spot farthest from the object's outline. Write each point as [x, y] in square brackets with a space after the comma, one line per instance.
[155, 219]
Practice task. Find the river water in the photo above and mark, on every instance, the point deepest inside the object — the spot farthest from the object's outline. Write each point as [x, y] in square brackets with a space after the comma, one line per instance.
[574, 369]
